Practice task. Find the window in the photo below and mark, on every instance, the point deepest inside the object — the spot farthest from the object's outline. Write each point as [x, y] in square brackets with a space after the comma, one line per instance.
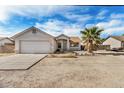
[72, 44]
[59, 45]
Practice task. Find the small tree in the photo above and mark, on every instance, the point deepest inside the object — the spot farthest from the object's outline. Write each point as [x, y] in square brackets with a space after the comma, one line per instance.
[91, 38]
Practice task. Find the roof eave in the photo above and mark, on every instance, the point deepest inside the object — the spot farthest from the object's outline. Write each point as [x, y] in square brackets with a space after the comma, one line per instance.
[26, 30]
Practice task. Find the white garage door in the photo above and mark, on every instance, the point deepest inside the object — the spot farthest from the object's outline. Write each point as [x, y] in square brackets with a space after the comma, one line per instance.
[35, 46]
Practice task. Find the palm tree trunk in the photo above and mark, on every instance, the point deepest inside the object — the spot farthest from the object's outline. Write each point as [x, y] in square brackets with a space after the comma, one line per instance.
[90, 48]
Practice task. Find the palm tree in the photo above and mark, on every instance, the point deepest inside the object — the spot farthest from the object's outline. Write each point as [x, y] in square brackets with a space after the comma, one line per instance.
[91, 37]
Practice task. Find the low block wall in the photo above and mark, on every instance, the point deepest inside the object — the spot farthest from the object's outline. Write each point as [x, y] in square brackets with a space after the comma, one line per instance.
[74, 49]
[103, 47]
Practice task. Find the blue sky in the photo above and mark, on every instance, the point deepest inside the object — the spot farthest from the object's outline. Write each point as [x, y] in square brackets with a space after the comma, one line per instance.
[55, 20]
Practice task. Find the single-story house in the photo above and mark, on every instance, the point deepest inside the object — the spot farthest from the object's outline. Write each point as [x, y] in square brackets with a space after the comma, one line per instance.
[5, 40]
[115, 42]
[6, 45]
[33, 40]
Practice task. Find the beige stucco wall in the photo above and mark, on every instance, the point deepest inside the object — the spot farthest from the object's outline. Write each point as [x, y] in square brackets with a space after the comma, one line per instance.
[112, 42]
[2, 42]
[35, 36]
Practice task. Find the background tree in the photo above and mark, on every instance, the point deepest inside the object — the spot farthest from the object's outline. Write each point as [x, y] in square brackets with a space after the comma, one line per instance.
[91, 38]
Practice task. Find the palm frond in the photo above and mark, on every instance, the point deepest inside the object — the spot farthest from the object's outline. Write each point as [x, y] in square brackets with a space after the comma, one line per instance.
[92, 35]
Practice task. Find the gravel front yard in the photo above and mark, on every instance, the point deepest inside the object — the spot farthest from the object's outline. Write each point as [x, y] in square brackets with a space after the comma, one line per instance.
[84, 71]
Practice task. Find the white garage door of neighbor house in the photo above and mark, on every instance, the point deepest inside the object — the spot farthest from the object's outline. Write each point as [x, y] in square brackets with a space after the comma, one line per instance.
[29, 46]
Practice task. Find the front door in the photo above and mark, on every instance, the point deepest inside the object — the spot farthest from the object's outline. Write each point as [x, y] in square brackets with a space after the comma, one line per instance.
[59, 45]
[64, 45]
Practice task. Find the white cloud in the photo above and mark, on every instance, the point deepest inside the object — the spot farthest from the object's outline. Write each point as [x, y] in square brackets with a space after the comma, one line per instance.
[77, 17]
[111, 23]
[4, 13]
[52, 26]
[72, 31]
[56, 27]
[101, 14]
[117, 16]
[111, 27]
[34, 11]
[31, 11]
[89, 25]
[111, 31]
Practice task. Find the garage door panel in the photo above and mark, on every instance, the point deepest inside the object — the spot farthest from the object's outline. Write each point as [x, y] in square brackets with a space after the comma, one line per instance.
[29, 46]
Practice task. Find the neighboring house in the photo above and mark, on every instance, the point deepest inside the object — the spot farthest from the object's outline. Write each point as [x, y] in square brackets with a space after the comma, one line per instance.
[6, 44]
[115, 42]
[5, 40]
[33, 40]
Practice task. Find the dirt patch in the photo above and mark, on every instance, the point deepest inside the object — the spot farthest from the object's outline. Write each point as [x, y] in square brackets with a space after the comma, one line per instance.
[81, 72]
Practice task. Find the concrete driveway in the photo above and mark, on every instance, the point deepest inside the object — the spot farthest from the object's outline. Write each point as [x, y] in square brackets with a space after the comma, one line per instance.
[20, 61]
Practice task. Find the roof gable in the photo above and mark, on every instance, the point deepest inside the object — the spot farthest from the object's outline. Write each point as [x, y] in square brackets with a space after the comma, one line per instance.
[62, 35]
[28, 30]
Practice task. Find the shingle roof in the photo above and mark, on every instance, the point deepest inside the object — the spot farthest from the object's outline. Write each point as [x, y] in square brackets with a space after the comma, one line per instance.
[75, 39]
[120, 38]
